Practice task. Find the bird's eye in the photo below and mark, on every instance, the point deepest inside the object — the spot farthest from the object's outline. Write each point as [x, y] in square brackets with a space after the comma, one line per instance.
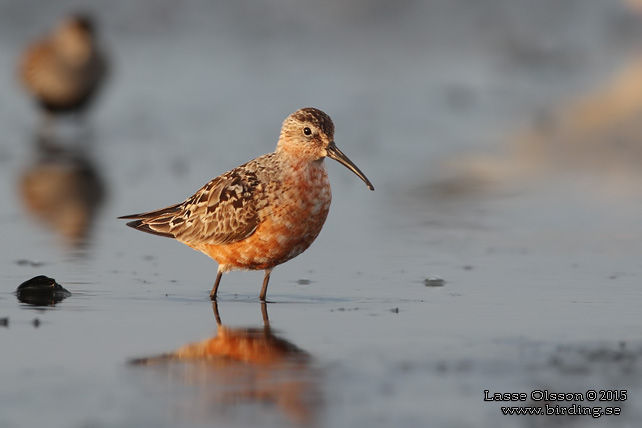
[307, 131]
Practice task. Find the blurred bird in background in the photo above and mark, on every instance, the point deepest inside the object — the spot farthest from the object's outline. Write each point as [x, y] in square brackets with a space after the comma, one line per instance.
[64, 70]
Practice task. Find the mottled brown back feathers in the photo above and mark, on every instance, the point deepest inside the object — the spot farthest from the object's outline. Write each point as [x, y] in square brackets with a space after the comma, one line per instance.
[224, 210]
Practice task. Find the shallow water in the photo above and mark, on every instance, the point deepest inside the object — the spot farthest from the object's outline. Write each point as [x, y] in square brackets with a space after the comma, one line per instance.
[540, 259]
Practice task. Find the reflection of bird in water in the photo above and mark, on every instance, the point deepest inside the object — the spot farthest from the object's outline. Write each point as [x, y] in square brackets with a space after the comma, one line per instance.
[246, 366]
[63, 189]
[64, 70]
[265, 212]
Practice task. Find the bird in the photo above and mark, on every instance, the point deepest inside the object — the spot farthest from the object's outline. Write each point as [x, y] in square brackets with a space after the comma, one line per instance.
[64, 70]
[264, 212]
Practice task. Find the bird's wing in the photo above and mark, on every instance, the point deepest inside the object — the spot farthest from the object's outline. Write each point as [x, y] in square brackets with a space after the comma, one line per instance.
[224, 210]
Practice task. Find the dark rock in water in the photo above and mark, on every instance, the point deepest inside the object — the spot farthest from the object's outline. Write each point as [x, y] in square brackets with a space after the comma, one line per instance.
[434, 281]
[41, 291]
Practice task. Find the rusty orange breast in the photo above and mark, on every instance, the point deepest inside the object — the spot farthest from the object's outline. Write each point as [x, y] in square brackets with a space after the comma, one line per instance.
[298, 204]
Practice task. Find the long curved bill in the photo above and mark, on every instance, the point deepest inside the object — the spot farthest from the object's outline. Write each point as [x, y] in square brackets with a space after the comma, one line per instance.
[337, 155]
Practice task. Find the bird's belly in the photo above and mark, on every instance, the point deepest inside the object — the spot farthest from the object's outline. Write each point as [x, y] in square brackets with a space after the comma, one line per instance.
[288, 227]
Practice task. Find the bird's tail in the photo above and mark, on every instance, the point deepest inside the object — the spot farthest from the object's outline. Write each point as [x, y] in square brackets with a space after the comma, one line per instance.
[154, 222]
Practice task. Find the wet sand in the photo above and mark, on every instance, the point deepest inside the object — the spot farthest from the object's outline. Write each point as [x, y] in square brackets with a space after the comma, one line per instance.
[447, 108]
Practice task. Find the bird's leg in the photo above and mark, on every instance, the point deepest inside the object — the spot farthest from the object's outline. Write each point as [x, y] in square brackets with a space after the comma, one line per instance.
[216, 283]
[266, 320]
[216, 315]
[266, 279]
